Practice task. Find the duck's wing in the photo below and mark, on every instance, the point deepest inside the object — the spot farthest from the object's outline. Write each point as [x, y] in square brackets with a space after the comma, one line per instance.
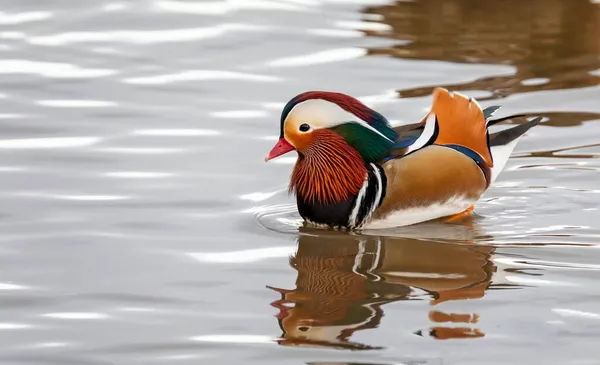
[458, 122]
[408, 134]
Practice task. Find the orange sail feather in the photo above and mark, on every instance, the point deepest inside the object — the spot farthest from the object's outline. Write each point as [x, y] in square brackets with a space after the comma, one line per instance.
[461, 122]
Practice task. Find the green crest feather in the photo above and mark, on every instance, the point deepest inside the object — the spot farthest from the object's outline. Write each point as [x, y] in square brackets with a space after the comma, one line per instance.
[371, 145]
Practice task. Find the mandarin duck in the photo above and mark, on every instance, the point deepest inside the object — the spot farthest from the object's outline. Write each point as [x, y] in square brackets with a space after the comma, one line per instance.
[355, 171]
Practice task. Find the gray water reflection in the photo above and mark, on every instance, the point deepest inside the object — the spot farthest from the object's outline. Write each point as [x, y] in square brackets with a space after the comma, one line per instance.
[139, 223]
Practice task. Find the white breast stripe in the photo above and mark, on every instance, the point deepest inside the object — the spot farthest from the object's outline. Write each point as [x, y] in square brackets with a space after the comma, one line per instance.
[359, 199]
[378, 194]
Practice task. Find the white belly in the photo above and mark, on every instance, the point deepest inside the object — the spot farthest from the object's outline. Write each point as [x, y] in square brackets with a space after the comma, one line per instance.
[416, 215]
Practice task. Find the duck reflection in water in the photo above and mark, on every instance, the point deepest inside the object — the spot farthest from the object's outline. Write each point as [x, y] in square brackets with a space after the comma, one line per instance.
[344, 280]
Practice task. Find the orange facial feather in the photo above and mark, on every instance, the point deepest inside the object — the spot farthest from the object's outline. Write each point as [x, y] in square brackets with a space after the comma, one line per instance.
[329, 170]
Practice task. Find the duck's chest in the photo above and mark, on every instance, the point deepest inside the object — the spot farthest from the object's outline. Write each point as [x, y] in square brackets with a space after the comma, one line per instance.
[332, 214]
[351, 212]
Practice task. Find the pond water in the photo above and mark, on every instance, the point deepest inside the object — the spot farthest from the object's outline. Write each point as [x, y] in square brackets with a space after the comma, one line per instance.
[140, 225]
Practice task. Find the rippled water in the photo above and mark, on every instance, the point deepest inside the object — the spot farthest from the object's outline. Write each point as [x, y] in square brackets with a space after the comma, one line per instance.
[139, 223]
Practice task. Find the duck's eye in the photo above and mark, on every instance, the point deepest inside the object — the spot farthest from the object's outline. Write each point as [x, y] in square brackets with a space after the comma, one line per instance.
[304, 127]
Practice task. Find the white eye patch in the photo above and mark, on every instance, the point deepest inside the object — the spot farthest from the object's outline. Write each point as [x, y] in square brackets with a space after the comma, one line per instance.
[319, 113]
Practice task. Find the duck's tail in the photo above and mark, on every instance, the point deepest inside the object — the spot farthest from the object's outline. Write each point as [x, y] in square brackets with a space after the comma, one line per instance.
[504, 142]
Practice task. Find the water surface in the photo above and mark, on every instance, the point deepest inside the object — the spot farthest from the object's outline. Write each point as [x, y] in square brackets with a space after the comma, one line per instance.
[140, 225]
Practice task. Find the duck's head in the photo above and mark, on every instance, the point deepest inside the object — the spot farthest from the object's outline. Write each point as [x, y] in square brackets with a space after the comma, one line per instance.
[314, 118]
[335, 136]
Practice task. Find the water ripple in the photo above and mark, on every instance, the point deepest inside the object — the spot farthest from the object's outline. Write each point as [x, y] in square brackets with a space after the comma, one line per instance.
[27, 17]
[332, 55]
[113, 7]
[549, 264]
[372, 26]
[139, 175]
[575, 313]
[243, 256]
[50, 142]
[13, 35]
[139, 37]
[50, 69]
[239, 339]
[142, 150]
[77, 103]
[177, 132]
[240, 114]
[258, 196]
[73, 197]
[341, 33]
[14, 326]
[199, 75]
[7, 286]
[77, 315]
[223, 7]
